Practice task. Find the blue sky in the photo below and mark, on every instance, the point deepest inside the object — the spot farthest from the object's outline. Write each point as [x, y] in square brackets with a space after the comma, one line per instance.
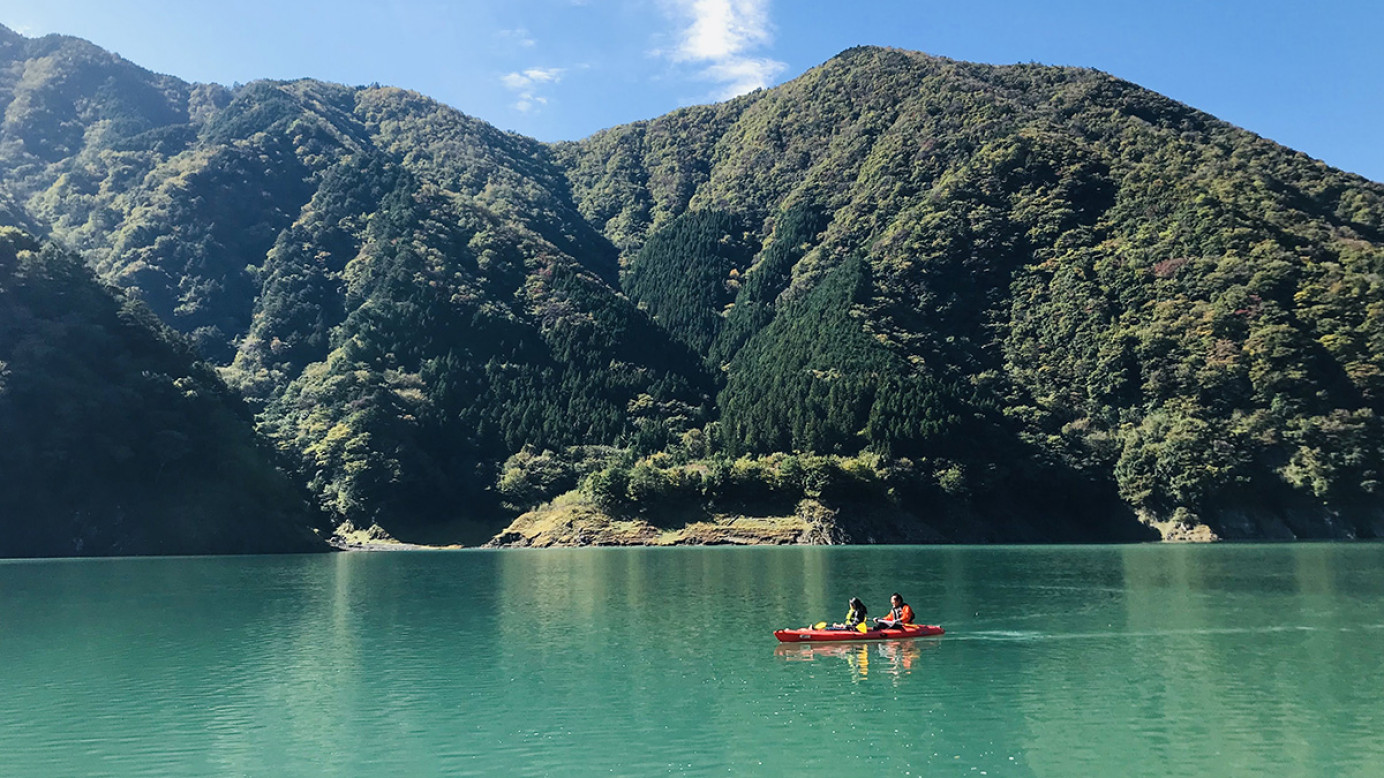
[1307, 75]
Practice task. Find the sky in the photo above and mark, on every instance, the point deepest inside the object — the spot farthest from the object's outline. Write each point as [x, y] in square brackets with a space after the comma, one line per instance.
[1308, 75]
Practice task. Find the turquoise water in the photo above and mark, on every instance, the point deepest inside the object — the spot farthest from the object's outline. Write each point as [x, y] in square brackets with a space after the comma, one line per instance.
[1069, 661]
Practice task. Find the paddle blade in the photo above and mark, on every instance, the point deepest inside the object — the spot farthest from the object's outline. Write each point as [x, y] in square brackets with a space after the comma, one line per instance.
[820, 625]
[862, 627]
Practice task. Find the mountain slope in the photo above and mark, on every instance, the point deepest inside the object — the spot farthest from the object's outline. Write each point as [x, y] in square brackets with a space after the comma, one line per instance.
[1149, 296]
[406, 293]
[117, 441]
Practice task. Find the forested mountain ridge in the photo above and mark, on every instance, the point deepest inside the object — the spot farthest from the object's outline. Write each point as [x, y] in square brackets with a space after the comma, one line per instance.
[407, 294]
[117, 439]
[993, 302]
[1037, 265]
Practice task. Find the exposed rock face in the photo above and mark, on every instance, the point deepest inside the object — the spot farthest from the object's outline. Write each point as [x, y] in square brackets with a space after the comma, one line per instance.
[1184, 532]
[584, 524]
[572, 520]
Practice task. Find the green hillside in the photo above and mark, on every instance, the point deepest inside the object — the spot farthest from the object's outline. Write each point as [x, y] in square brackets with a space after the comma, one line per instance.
[1017, 302]
[1015, 268]
[117, 440]
[406, 294]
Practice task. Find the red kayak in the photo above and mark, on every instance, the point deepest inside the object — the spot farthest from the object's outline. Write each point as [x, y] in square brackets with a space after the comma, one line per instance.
[808, 634]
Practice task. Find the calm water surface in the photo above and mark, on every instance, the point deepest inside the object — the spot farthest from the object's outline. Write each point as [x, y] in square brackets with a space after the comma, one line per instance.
[1089, 661]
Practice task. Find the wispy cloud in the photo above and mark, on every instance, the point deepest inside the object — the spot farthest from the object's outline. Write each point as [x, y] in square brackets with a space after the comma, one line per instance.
[524, 79]
[720, 35]
[525, 85]
[519, 36]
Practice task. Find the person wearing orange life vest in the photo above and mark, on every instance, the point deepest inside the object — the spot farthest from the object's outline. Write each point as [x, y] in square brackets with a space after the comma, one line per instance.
[900, 613]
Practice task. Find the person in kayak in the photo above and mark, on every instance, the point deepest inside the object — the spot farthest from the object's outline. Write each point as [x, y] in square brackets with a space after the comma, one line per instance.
[854, 617]
[900, 613]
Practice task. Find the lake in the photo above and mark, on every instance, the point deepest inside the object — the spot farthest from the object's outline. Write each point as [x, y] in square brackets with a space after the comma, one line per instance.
[1224, 660]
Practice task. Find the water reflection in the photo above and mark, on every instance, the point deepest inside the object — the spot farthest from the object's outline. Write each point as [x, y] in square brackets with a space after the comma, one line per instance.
[894, 658]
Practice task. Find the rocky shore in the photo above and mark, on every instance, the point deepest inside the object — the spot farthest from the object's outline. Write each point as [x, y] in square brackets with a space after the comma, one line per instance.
[580, 523]
[573, 520]
[349, 537]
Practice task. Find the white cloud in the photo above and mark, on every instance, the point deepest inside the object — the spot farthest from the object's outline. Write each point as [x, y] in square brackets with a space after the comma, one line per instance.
[721, 29]
[524, 84]
[744, 74]
[527, 78]
[720, 35]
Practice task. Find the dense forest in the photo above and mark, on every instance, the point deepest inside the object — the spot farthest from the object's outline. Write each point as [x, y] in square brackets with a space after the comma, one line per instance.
[990, 302]
[118, 438]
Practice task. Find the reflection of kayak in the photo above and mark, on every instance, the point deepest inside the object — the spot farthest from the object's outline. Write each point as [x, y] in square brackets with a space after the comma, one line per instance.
[830, 635]
[807, 651]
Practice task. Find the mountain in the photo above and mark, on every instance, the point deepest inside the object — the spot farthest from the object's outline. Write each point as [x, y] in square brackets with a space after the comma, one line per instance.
[117, 439]
[973, 302]
[406, 294]
[1017, 267]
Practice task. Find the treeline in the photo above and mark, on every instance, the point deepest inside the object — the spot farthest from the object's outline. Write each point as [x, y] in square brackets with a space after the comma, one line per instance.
[776, 482]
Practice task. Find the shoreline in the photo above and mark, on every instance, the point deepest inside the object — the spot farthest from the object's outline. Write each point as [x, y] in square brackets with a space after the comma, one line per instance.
[572, 520]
